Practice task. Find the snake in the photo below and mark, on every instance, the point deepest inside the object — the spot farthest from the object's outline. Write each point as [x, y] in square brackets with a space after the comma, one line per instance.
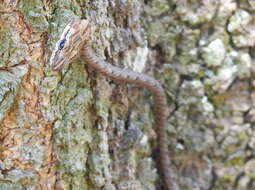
[75, 42]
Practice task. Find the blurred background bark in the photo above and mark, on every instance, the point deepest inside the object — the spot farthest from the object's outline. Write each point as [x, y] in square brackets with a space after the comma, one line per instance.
[75, 129]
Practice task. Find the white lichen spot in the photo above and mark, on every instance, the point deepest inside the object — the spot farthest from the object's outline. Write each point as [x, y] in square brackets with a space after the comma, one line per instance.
[207, 106]
[225, 77]
[239, 20]
[179, 146]
[144, 140]
[196, 84]
[140, 59]
[242, 27]
[244, 68]
[226, 73]
[214, 53]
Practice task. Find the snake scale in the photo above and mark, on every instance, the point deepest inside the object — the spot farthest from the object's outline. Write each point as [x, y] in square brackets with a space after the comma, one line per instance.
[74, 42]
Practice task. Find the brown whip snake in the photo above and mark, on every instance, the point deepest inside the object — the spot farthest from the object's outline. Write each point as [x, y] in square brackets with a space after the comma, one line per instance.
[74, 42]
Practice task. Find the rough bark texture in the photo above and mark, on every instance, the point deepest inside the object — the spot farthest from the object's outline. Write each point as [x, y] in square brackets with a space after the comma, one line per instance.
[77, 130]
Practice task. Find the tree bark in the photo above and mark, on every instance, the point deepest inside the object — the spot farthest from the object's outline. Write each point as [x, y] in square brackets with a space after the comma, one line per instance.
[75, 129]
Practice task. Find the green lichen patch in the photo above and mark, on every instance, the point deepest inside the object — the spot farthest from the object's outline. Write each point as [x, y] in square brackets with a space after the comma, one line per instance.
[196, 12]
[158, 7]
[9, 84]
[35, 14]
[214, 53]
[6, 44]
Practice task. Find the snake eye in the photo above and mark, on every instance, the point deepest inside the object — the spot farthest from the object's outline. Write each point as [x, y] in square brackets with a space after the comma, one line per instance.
[61, 44]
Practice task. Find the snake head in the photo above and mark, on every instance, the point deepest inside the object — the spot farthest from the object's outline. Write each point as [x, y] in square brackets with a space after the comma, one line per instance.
[75, 35]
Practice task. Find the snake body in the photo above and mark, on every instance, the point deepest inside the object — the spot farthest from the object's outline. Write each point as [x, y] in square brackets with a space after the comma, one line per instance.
[74, 41]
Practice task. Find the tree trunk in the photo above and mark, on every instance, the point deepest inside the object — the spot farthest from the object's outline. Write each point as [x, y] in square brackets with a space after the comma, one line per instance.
[75, 129]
